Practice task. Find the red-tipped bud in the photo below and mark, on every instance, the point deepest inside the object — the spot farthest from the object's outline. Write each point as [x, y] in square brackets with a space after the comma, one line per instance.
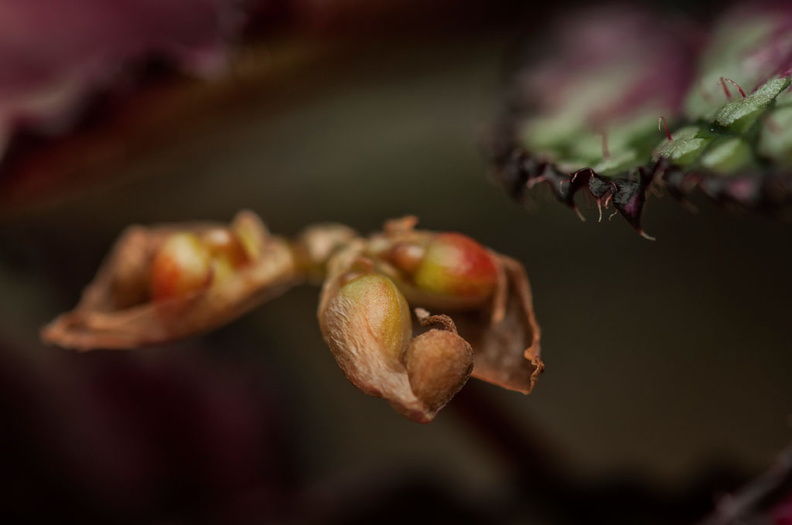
[189, 262]
[455, 265]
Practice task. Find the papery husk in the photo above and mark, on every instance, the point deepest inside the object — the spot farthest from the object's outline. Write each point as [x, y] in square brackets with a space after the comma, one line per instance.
[110, 314]
[505, 337]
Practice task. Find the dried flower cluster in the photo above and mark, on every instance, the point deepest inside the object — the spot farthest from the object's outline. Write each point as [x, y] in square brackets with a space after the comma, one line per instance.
[168, 282]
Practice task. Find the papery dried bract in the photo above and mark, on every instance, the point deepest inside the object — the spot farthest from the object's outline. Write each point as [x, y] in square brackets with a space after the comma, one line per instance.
[116, 312]
[506, 339]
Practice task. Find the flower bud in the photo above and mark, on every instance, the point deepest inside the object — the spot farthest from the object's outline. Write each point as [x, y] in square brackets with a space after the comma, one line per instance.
[181, 265]
[456, 265]
[446, 271]
[188, 262]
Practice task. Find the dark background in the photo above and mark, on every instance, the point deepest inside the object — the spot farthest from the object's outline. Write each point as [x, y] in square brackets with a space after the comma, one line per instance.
[669, 364]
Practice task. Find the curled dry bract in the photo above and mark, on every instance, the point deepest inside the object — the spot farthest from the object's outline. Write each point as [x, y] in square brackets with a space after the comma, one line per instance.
[507, 340]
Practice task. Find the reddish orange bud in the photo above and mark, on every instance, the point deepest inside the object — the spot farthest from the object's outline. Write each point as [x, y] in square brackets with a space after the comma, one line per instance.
[181, 265]
[454, 264]
[188, 262]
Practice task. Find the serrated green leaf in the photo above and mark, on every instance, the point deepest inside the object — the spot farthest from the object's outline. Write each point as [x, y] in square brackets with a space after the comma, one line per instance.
[728, 109]
[685, 146]
[739, 115]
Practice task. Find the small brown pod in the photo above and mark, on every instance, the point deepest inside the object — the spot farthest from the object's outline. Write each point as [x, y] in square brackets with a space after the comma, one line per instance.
[438, 363]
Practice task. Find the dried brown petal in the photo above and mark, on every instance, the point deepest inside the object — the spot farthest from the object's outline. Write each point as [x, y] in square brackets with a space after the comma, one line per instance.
[438, 362]
[111, 314]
